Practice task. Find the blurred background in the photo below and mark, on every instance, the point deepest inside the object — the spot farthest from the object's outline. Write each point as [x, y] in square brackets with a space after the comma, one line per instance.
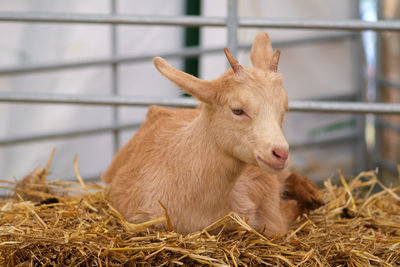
[101, 59]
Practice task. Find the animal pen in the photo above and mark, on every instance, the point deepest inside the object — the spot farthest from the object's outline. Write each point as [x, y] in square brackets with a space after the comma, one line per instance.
[355, 227]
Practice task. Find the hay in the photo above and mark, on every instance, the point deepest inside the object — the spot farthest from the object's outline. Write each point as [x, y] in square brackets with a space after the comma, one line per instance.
[353, 228]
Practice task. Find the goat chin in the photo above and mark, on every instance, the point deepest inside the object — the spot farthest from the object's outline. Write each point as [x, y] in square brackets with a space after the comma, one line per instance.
[183, 157]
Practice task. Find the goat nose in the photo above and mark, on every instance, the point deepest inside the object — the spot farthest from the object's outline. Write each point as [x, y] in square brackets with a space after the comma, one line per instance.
[280, 153]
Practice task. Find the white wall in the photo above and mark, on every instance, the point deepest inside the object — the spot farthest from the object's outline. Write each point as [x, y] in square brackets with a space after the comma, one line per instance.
[31, 43]
[310, 71]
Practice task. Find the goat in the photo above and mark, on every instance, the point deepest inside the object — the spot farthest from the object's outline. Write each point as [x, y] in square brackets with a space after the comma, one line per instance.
[228, 154]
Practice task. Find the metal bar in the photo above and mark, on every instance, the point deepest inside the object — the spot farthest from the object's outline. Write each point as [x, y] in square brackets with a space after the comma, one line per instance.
[312, 40]
[103, 61]
[196, 21]
[376, 152]
[100, 100]
[188, 21]
[66, 134]
[103, 129]
[232, 27]
[294, 105]
[344, 107]
[114, 76]
[388, 83]
[360, 151]
[43, 67]
[125, 126]
[338, 98]
[327, 142]
[347, 24]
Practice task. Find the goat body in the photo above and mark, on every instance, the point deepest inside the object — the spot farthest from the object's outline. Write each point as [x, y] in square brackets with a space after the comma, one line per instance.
[228, 154]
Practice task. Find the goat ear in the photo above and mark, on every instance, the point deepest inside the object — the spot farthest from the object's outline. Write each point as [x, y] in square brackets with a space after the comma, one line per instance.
[273, 66]
[200, 89]
[261, 52]
[236, 67]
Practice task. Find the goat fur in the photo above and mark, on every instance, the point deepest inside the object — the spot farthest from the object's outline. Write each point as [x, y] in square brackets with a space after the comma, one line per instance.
[203, 163]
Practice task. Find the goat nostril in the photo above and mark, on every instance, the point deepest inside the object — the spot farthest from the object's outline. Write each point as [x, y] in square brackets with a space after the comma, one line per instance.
[276, 155]
[281, 154]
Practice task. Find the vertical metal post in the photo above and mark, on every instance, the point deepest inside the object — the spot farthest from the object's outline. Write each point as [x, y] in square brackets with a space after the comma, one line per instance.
[368, 13]
[376, 158]
[114, 76]
[232, 27]
[361, 145]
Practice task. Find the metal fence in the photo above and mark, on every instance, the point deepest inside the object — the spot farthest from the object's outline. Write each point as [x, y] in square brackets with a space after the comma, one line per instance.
[232, 22]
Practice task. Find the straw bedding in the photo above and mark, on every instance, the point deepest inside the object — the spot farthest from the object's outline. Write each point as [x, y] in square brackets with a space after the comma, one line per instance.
[55, 223]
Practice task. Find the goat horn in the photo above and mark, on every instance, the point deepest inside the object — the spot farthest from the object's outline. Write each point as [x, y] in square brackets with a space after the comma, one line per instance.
[275, 61]
[232, 61]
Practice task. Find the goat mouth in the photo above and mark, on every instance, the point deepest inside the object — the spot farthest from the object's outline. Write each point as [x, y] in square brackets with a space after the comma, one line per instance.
[275, 167]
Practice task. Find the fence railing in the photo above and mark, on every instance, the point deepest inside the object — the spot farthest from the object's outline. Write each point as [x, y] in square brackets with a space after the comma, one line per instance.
[232, 22]
[195, 21]
[101, 100]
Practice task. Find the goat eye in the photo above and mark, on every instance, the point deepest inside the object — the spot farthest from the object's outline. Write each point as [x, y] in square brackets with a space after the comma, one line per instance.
[238, 112]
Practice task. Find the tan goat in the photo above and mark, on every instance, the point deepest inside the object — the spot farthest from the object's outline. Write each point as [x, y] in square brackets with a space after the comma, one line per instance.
[229, 154]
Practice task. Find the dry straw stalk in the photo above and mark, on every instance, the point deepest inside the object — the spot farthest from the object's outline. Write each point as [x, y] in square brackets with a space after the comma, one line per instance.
[353, 228]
